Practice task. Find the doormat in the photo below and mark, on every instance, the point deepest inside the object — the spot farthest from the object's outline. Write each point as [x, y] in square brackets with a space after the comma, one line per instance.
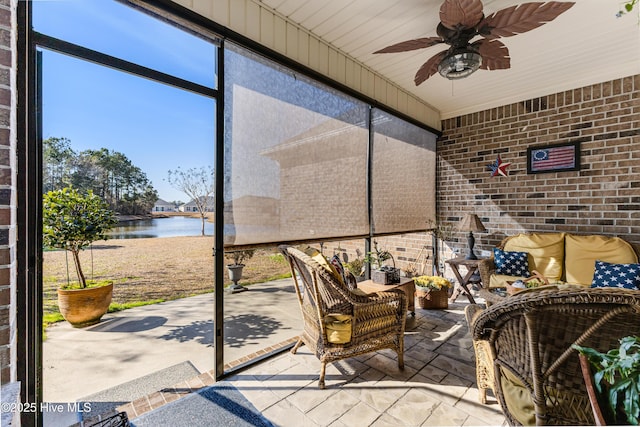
[108, 400]
[221, 404]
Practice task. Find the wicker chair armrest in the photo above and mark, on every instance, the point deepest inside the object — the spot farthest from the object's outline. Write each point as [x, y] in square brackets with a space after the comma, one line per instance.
[471, 313]
[486, 267]
[381, 303]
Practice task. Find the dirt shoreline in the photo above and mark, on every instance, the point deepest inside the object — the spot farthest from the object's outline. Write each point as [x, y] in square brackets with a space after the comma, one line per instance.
[127, 218]
[151, 268]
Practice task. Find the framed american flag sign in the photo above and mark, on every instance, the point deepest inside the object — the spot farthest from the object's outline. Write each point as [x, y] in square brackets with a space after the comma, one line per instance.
[554, 158]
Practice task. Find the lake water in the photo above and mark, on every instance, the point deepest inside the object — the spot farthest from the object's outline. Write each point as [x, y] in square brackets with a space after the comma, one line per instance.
[173, 226]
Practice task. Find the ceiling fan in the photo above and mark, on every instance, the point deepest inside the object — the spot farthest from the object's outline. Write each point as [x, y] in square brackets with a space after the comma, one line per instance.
[463, 20]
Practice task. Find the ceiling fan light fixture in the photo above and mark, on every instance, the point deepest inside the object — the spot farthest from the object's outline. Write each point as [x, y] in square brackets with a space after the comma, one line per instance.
[459, 64]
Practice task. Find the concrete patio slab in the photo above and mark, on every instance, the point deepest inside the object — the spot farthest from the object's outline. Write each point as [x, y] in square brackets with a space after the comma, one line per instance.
[437, 386]
[140, 341]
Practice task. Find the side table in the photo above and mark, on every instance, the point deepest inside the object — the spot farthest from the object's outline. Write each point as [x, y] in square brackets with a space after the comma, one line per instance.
[463, 281]
[406, 285]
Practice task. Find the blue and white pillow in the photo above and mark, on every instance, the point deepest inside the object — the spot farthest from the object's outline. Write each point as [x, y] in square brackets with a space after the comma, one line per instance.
[511, 263]
[616, 275]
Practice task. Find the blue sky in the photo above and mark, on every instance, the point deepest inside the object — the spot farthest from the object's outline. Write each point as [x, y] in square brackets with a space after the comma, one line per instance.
[156, 126]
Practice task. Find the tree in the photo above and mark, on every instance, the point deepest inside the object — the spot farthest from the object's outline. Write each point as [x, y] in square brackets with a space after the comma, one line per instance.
[58, 160]
[198, 184]
[72, 221]
[113, 177]
[109, 174]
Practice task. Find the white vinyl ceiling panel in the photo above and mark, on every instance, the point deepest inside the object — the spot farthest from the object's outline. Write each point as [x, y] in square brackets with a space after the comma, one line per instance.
[587, 44]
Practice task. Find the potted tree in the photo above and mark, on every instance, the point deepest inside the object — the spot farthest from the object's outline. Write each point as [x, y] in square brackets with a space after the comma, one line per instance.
[613, 382]
[237, 259]
[72, 221]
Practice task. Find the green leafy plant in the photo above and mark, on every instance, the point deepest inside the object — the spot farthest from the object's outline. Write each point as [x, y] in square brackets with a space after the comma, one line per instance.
[239, 257]
[617, 378]
[378, 256]
[355, 266]
[628, 7]
[72, 221]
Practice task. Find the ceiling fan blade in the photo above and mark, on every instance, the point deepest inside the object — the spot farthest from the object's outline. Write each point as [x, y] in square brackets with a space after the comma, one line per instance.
[465, 13]
[411, 45]
[521, 18]
[429, 68]
[494, 53]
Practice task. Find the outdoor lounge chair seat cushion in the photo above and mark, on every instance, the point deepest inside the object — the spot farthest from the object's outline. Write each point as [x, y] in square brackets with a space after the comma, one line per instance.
[584, 251]
[546, 252]
[499, 280]
[560, 257]
[518, 398]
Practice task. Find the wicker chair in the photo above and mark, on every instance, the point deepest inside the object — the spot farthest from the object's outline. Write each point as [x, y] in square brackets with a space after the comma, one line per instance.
[523, 348]
[377, 320]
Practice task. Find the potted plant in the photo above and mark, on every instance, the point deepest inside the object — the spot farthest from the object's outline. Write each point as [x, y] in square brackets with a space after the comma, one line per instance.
[355, 266]
[432, 291]
[616, 376]
[410, 270]
[72, 221]
[382, 273]
[237, 259]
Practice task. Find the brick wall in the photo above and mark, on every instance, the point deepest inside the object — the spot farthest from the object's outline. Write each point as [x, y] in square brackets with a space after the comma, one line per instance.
[409, 250]
[7, 193]
[602, 198]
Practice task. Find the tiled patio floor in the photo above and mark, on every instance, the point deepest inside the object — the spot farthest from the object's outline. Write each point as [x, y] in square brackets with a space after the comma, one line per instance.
[437, 386]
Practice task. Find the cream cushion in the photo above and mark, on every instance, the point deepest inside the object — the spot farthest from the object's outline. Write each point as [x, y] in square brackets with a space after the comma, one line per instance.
[546, 252]
[317, 256]
[338, 328]
[500, 280]
[517, 398]
[582, 252]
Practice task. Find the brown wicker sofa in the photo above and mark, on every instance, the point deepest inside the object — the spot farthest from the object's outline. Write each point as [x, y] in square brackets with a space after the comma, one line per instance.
[524, 346]
[560, 257]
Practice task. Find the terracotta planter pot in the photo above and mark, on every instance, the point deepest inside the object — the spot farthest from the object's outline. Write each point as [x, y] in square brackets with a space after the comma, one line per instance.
[84, 307]
[591, 390]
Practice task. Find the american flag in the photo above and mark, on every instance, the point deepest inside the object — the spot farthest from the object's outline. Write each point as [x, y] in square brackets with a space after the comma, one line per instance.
[553, 158]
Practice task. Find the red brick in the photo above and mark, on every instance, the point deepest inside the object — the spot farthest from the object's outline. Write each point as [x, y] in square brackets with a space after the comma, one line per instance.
[5, 276]
[597, 114]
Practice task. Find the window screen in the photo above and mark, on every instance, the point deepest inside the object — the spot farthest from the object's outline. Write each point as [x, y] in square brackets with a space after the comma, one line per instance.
[403, 175]
[295, 155]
